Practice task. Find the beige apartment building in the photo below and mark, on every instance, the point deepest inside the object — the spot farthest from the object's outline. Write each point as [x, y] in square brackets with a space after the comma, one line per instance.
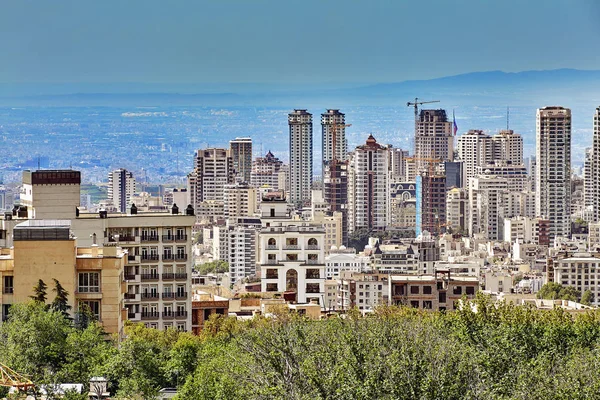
[47, 250]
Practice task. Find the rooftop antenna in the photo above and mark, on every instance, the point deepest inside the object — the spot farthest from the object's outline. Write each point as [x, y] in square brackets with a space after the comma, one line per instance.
[39, 162]
[507, 116]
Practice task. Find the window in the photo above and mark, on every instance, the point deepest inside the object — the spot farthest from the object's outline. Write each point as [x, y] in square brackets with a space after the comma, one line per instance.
[414, 304]
[90, 306]
[414, 289]
[8, 285]
[457, 290]
[427, 305]
[470, 290]
[426, 289]
[89, 282]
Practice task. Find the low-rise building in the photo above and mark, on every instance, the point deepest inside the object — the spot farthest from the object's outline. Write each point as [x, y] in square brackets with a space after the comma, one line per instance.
[431, 292]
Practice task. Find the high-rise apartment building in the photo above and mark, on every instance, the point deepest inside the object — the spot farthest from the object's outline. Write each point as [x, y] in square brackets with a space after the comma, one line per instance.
[239, 200]
[508, 146]
[368, 187]
[240, 150]
[397, 164]
[430, 203]
[265, 171]
[335, 192]
[553, 168]
[121, 188]
[434, 137]
[595, 167]
[301, 156]
[474, 149]
[588, 180]
[333, 125]
[213, 169]
[486, 216]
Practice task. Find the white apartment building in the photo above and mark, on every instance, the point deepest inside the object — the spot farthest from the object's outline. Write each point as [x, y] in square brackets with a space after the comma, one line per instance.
[588, 179]
[368, 187]
[362, 290]
[553, 168]
[159, 264]
[213, 169]
[239, 200]
[526, 230]
[236, 244]
[485, 211]
[474, 149]
[291, 254]
[582, 271]
[121, 188]
[301, 156]
[595, 167]
[508, 146]
[342, 259]
[515, 174]
[457, 209]
[397, 164]
[265, 172]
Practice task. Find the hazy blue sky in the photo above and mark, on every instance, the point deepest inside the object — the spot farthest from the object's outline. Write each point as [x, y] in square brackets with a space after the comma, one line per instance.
[280, 40]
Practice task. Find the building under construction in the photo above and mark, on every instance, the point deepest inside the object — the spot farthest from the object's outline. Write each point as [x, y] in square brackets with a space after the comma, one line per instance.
[431, 203]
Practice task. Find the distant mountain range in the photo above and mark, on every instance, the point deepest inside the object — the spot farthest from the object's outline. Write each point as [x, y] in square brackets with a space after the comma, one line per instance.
[562, 86]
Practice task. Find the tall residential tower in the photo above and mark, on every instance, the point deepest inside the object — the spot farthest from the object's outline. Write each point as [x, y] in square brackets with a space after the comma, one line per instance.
[553, 168]
[301, 156]
[240, 150]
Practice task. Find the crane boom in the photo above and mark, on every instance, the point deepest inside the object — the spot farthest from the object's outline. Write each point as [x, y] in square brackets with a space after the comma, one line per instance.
[417, 103]
[10, 378]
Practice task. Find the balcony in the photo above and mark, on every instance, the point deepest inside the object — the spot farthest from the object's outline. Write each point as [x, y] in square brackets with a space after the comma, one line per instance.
[312, 247]
[168, 257]
[133, 259]
[168, 276]
[176, 238]
[150, 314]
[174, 314]
[150, 296]
[8, 290]
[149, 238]
[181, 295]
[168, 238]
[132, 315]
[116, 238]
[149, 277]
[150, 257]
[181, 276]
[129, 297]
[168, 296]
[291, 247]
[271, 262]
[181, 257]
[313, 261]
[131, 277]
[272, 247]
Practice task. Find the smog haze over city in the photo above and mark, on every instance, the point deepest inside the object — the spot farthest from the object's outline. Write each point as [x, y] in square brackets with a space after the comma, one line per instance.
[142, 85]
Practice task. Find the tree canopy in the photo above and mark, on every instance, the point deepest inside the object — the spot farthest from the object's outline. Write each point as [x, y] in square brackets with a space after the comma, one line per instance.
[556, 291]
[213, 267]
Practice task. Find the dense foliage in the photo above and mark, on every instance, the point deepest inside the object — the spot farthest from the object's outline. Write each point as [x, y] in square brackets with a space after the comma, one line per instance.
[213, 267]
[553, 290]
[483, 351]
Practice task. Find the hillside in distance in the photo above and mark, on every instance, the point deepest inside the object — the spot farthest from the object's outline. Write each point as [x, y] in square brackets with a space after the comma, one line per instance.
[570, 87]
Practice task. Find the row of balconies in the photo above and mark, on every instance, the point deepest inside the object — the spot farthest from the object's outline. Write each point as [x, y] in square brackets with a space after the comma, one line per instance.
[155, 296]
[156, 315]
[147, 238]
[293, 247]
[277, 262]
[156, 257]
[154, 277]
[309, 275]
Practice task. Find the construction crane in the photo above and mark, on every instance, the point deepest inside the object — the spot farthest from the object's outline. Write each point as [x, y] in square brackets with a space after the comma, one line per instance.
[10, 378]
[417, 103]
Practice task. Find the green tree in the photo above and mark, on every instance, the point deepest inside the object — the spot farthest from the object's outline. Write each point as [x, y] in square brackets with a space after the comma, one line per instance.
[587, 298]
[39, 292]
[214, 267]
[61, 301]
[553, 290]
